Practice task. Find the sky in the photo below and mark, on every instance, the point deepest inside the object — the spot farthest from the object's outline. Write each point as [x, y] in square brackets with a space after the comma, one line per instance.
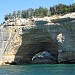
[8, 6]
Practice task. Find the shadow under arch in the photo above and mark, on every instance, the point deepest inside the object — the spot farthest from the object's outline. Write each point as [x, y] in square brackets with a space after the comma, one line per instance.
[25, 53]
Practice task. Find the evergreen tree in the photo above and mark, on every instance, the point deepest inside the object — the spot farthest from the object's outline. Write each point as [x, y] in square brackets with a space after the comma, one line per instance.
[6, 17]
[19, 14]
[14, 14]
[41, 11]
[10, 16]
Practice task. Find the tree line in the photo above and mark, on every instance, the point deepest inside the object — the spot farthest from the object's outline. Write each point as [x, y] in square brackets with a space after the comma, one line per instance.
[59, 9]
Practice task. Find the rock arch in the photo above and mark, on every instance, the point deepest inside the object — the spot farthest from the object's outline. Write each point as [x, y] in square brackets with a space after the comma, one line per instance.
[25, 53]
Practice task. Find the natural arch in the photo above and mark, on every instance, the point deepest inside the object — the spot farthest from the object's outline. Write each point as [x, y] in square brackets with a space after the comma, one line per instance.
[26, 53]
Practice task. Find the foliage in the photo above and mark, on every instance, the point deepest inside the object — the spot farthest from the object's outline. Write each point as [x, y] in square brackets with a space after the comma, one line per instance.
[6, 17]
[41, 11]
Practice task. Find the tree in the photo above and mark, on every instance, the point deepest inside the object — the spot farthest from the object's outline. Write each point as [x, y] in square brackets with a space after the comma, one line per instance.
[14, 14]
[73, 7]
[10, 16]
[24, 14]
[6, 17]
[19, 14]
[41, 11]
[52, 10]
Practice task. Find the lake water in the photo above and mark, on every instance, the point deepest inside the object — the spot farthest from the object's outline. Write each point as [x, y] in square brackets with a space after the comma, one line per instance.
[38, 69]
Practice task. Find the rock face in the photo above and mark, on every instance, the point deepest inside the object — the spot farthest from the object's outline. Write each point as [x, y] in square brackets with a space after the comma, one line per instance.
[57, 38]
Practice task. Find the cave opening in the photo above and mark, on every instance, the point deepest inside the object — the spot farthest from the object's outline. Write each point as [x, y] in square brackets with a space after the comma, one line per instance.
[37, 53]
[43, 57]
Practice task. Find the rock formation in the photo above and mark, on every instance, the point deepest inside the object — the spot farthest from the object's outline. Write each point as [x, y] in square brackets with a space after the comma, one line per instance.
[57, 37]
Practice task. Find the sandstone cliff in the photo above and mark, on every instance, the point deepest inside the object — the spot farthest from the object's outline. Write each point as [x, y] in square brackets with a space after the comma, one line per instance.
[57, 37]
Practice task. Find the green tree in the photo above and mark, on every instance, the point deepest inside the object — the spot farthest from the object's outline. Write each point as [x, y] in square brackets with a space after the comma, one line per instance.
[19, 14]
[6, 17]
[14, 14]
[10, 16]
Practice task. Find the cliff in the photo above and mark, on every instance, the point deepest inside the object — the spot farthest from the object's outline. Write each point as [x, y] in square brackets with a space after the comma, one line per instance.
[41, 40]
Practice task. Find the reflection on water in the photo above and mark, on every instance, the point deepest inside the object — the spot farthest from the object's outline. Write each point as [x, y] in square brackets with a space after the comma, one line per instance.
[39, 69]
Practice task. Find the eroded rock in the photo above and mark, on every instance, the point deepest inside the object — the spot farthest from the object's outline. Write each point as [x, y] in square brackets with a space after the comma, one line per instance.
[57, 38]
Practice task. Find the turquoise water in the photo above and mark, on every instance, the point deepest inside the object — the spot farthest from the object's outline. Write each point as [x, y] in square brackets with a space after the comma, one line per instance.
[39, 69]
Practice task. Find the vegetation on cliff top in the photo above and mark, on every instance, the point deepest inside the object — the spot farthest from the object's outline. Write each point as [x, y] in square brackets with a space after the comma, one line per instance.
[41, 11]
